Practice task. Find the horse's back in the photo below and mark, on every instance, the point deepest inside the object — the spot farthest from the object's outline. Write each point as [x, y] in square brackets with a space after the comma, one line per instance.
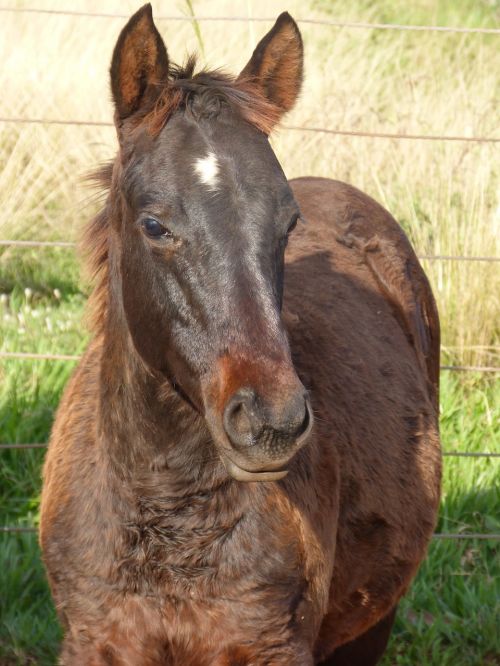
[349, 234]
[364, 333]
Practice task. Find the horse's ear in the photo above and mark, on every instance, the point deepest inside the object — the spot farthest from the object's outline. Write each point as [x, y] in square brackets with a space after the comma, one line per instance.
[139, 64]
[276, 65]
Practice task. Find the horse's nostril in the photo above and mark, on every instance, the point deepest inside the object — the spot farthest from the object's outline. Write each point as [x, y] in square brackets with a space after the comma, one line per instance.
[240, 419]
[248, 424]
[306, 420]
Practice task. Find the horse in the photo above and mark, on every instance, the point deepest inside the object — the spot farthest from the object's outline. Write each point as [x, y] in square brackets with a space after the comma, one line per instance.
[244, 468]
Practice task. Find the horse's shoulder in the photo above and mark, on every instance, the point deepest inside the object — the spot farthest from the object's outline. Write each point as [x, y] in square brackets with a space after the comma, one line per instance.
[358, 222]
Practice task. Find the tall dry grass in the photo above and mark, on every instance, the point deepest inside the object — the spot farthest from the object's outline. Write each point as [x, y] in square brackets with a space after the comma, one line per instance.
[446, 195]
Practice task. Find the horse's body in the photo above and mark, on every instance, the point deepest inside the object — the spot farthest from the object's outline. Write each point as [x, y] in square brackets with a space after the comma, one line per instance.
[156, 556]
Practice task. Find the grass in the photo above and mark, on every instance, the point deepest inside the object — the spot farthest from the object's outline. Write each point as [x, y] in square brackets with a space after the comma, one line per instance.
[446, 195]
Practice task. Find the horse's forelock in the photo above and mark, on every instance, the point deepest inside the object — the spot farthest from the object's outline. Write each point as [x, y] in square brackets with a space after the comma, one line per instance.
[199, 91]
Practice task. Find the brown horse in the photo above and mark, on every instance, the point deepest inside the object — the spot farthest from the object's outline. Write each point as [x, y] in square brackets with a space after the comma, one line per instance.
[204, 373]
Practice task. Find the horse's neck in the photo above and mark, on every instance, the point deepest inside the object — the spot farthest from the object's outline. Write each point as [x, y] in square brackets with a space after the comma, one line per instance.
[145, 424]
[173, 498]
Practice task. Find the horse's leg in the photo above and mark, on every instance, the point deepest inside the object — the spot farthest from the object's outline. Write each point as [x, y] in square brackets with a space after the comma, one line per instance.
[365, 650]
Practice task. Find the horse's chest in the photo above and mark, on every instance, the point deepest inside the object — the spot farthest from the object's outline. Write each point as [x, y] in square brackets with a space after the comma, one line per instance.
[212, 584]
[175, 556]
[193, 632]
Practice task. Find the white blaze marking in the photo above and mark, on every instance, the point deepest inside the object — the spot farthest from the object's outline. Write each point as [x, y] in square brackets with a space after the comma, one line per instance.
[207, 169]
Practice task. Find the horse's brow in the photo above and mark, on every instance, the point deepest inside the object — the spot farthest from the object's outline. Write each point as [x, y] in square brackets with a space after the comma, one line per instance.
[148, 198]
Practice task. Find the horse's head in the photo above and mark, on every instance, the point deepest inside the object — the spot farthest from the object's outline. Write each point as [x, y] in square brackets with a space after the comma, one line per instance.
[202, 213]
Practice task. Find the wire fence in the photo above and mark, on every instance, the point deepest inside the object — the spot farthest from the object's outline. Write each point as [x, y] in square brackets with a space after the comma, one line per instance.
[324, 130]
[459, 454]
[297, 128]
[29, 356]
[426, 257]
[265, 19]
[437, 535]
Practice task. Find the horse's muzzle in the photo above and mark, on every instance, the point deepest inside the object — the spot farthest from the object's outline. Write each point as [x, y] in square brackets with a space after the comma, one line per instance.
[262, 437]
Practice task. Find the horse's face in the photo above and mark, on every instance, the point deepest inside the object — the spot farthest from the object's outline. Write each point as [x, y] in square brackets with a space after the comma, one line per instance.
[205, 212]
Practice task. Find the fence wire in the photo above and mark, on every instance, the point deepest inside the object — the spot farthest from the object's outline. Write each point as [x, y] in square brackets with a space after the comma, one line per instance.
[28, 356]
[13, 529]
[264, 19]
[297, 128]
[458, 454]
[32, 243]
[425, 257]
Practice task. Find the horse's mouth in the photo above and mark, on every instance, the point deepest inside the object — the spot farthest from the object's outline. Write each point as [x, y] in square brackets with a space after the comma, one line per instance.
[241, 474]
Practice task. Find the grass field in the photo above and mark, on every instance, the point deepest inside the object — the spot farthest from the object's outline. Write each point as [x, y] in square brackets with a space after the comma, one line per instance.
[446, 195]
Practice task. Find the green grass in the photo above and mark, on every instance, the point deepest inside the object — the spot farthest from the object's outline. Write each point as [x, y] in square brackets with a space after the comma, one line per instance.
[29, 394]
[40, 269]
[449, 617]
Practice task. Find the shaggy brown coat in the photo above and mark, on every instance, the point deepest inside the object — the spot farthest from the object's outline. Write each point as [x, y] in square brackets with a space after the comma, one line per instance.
[157, 557]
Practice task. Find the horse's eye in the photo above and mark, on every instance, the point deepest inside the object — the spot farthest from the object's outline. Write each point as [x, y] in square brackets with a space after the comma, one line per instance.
[293, 223]
[154, 229]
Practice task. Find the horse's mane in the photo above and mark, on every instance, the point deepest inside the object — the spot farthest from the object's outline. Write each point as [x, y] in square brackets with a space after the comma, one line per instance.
[202, 94]
[95, 249]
